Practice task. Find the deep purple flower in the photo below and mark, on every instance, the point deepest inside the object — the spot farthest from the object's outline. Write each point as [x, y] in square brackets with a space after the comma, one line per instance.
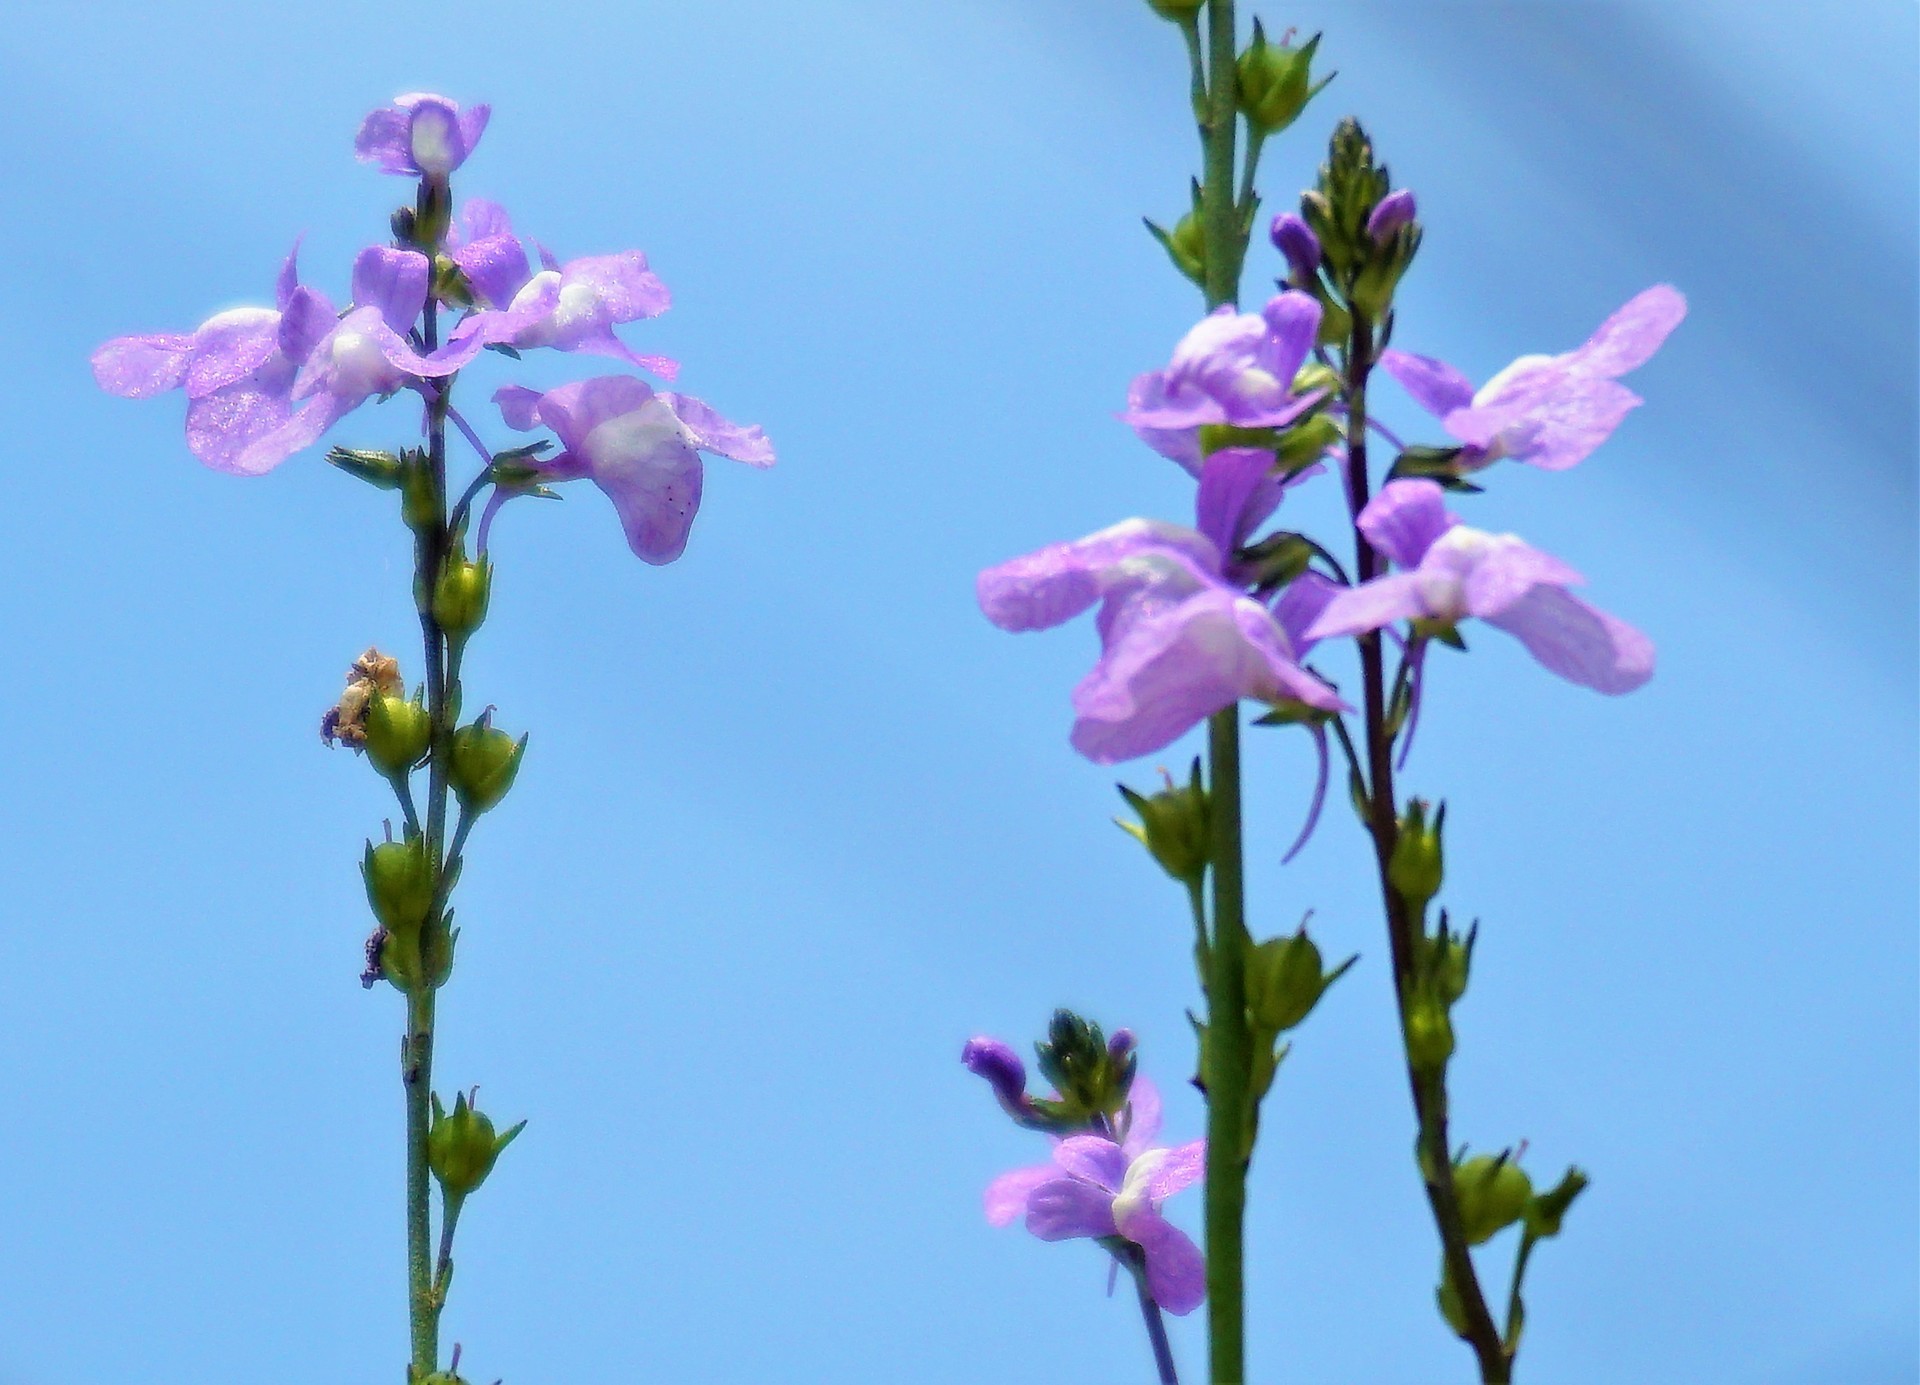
[640, 445]
[1547, 411]
[1395, 210]
[993, 1060]
[1295, 239]
[569, 307]
[1449, 572]
[420, 135]
[1179, 641]
[1232, 368]
[237, 369]
[1096, 1187]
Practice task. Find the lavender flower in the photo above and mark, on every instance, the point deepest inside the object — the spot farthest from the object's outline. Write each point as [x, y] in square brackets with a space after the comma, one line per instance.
[1231, 368]
[1096, 1187]
[1178, 643]
[420, 135]
[993, 1060]
[1450, 572]
[1395, 210]
[639, 445]
[1548, 411]
[569, 307]
[237, 369]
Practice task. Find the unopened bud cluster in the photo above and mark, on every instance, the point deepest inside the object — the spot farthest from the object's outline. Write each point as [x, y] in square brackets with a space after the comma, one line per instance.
[1354, 236]
[1092, 1075]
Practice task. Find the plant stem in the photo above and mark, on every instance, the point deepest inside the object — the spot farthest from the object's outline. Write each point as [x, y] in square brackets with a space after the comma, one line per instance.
[1226, 1058]
[416, 1075]
[443, 1264]
[1429, 1092]
[1156, 1324]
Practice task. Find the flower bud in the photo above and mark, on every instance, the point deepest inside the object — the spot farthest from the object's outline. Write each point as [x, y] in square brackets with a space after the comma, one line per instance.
[1306, 443]
[460, 596]
[1396, 209]
[1415, 869]
[1429, 1035]
[1186, 244]
[398, 730]
[461, 1145]
[1544, 1213]
[1493, 1192]
[399, 878]
[381, 469]
[1076, 1059]
[1274, 82]
[1295, 239]
[419, 498]
[1451, 962]
[1175, 827]
[1285, 981]
[401, 223]
[1004, 1072]
[481, 763]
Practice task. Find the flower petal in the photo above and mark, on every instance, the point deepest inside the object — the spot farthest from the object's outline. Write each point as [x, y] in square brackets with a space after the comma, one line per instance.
[1506, 571]
[628, 291]
[1144, 1115]
[1629, 338]
[1006, 1197]
[1238, 491]
[712, 433]
[517, 404]
[1053, 584]
[1183, 1166]
[1094, 1158]
[1435, 386]
[1579, 643]
[1176, 1270]
[1066, 1208]
[1299, 605]
[1370, 606]
[1405, 518]
[143, 366]
[392, 280]
[230, 346]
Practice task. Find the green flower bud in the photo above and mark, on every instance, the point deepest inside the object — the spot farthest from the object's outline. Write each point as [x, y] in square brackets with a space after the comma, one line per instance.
[481, 763]
[1305, 443]
[1277, 559]
[399, 878]
[1285, 981]
[1175, 827]
[460, 596]
[381, 469]
[419, 497]
[1493, 1193]
[1429, 1034]
[1452, 960]
[398, 729]
[1186, 244]
[1092, 1075]
[1415, 869]
[1544, 1213]
[1274, 82]
[462, 1146]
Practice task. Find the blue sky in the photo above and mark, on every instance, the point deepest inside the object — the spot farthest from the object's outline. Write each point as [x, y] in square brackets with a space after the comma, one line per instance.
[795, 821]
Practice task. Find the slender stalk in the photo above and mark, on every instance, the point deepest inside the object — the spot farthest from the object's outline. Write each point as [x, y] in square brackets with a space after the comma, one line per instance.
[1429, 1093]
[416, 1075]
[443, 1264]
[1226, 1060]
[1156, 1324]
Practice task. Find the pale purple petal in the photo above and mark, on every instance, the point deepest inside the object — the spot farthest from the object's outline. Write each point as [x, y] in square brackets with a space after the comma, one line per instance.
[1551, 428]
[1146, 395]
[300, 431]
[1094, 1158]
[1238, 490]
[436, 139]
[626, 288]
[712, 433]
[1143, 1124]
[1161, 675]
[1299, 605]
[1322, 766]
[652, 474]
[392, 280]
[1285, 679]
[1293, 325]
[143, 366]
[1176, 1270]
[517, 404]
[223, 425]
[305, 323]
[289, 278]
[1435, 386]
[1058, 582]
[1370, 606]
[577, 408]
[230, 346]
[1506, 571]
[1579, 643]
[1184, 1166]
[488, 252]
[473, 123]
[1405, 519]
[1066, 1208]
[1629, 338]
[1007, 1195]
[382, 140]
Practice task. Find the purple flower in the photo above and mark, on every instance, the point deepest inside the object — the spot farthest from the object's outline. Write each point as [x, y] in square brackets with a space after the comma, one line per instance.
[1232, 368]
[1547, 411]
[993, 1060]
[420, 135]
[1295, 239]
[1395, 210]
[640, 445]
[1178, 640]
[237, 368]
[1449, 572]
[569, 307]
[1095, 1187]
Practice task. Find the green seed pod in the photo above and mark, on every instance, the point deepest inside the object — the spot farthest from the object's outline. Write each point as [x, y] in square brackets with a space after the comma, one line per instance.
[460, 596]
[1429, 1036]
[399, 878]
[481, 763]
[1415, 870]
[1275, 82]
[1493, 1192]
[398, 730]
[462, 1146]
[1174, 827]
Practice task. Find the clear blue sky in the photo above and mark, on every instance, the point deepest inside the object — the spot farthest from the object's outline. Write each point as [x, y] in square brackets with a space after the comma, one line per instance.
[796, 820]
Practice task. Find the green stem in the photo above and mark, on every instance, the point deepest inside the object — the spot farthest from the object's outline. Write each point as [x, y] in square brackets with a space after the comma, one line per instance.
[1404, 925]
[1228, 1052]
[416, 1075]
[443, 1265]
